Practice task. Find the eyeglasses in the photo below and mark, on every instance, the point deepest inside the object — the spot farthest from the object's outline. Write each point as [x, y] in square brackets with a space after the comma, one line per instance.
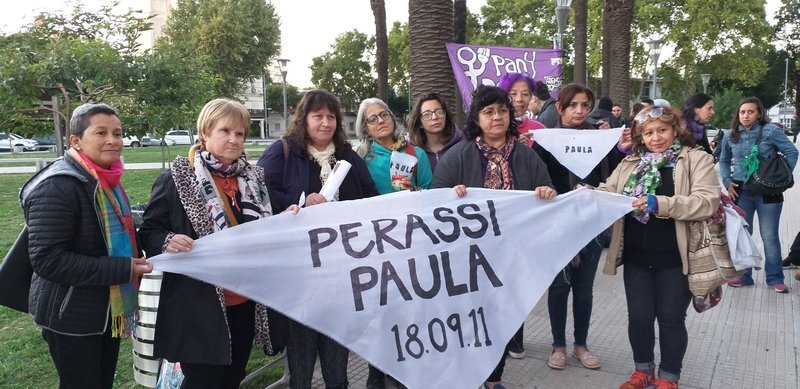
[489, 113]
[384, 115]
[428, 115]
[654, 113]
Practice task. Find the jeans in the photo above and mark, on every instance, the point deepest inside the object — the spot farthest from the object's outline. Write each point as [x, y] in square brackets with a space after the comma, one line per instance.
[661, 295]
[769, 217]
[580, 280]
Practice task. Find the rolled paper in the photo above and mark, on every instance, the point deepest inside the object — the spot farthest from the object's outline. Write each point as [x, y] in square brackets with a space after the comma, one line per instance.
[335, 179]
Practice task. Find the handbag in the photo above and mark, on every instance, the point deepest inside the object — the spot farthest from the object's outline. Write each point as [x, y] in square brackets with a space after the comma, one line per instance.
[773, 175]
[710, 263]
[15, 275]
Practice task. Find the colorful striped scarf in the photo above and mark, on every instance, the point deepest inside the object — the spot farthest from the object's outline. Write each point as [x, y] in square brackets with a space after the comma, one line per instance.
[119, 232]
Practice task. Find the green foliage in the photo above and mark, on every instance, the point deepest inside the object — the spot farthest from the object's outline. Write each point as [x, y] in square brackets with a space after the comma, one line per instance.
[275, 97]
[346, 70]
[725, 105]
[234, 39]
[518, 23]
[399, 60]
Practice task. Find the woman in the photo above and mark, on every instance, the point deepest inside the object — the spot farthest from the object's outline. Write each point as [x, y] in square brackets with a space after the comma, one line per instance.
[573, 106]
[299, 164]
[432, 128]
[492, 159]
[209, 330]
[376, 126]
[697, 113]
[84, 253]
[520, 88]
[749, 124]
[673, 183]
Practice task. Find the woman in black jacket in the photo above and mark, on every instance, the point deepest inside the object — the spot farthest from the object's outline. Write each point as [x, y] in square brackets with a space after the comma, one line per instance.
[83, 250]
[210, 331]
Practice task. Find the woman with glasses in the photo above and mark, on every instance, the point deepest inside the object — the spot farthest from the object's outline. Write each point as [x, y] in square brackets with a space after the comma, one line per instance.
[492, 158]
[520, 88]
[574, 104]
[697, 113]
[673, 183]
[381, 146]
[751, 137]
[431, 127]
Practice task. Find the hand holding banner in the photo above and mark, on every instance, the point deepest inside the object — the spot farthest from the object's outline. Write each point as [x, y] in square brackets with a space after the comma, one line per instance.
[429, 288]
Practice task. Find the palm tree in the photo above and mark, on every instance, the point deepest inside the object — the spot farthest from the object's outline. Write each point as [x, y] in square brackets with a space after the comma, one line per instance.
[581, 9]
[620, 13]
[460, 36]
[381, 48]
[428, 30]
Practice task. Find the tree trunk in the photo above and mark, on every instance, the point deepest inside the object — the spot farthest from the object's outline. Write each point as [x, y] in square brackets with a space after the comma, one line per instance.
[430, 67]
[459, 36]
[581, 9]
[620, 15]
[381, 49]
[605, 85]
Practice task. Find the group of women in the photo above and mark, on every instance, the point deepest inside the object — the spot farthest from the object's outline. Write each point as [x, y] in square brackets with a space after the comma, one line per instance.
[83, 289]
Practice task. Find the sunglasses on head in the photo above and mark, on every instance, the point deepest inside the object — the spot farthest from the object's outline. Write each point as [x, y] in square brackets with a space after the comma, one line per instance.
[654, 113]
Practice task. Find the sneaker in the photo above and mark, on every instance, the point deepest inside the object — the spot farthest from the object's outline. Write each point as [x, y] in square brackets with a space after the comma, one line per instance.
[797, 275]
[781, 288]
[640, 379]
[661, 383]
[515, 350]
[738, 281]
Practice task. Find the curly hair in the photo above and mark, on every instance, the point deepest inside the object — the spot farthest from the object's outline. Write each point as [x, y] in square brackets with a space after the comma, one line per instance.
[312, 101]
[483, 96]
[670, 116]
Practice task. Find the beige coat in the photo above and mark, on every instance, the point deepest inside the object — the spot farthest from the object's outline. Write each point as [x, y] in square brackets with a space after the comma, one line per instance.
[697, 192]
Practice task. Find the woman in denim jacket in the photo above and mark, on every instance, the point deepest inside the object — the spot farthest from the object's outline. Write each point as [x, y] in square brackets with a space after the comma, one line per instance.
[750, 121]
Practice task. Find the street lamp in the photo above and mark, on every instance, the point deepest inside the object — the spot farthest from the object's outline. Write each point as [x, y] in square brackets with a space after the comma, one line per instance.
[655, 52]
[785, 92]
[283, 63]
[706, 78]
[266, 110]
[562, 17]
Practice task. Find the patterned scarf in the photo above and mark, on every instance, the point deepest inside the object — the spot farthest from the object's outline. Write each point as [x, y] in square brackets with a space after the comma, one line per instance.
[698, 130]
[254, 202]
[119, 232]
[645, 177]
[325, 159]
[498, 169]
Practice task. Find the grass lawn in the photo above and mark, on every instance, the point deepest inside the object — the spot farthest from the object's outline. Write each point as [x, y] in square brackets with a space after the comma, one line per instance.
[24, 357]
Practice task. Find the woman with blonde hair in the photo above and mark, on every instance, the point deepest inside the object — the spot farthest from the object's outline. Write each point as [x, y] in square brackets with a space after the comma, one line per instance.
[209, 330]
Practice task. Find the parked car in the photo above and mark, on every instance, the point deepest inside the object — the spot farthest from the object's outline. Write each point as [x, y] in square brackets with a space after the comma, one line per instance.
[17, 143]
[150, 139]
[131, 141]
[180, 137]
[48, 142]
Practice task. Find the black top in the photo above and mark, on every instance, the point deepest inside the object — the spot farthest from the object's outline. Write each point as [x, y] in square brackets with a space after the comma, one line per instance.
[655, 244]
[347, 191]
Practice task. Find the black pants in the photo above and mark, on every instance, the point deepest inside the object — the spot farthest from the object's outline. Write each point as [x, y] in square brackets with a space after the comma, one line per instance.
[241, 323]
[301, 354]
[661, 295]
[794, 251]
[497, 374]
[580, 281]
[84, 361]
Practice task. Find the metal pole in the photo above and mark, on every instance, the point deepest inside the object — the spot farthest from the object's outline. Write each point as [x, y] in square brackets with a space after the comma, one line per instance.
[655, 79]
[285, 105]
[785, 90]
[266, 111]
[57, 125]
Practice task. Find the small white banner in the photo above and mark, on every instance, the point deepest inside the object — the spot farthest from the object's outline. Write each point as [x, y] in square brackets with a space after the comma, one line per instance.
[426, 286]
[578, 150]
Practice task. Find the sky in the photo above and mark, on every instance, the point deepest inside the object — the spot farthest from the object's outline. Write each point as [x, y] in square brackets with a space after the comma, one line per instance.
[308, 28]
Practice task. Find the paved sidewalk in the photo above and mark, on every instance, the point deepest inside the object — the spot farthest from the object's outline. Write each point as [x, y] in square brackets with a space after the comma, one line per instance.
[750, 340]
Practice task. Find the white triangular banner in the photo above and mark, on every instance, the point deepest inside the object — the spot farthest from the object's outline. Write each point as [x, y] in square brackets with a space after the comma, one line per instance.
[361, 271]
[578, 150]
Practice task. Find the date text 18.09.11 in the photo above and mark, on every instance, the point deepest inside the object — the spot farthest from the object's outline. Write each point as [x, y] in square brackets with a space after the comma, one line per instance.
[411, 340]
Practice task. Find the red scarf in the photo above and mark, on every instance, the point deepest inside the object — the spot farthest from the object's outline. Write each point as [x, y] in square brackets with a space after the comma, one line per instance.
[110, 176]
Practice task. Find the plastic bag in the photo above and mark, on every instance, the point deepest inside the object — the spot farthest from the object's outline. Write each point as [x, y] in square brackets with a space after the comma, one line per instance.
[744, 252]
[170, 375]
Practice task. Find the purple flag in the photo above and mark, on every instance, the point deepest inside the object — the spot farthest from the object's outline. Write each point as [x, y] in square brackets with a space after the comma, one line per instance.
[485, 65]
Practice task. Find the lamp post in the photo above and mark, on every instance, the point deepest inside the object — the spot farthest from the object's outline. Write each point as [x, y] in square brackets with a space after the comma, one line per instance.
[655, 52]
[562, 17]
[705, 78]
[785, 92]
[283, 63]
[266, 111]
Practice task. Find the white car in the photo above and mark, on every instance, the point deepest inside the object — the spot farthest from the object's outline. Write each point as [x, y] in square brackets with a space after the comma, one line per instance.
[180, 137]
[17, 143]
[131, 141]
[150, 139]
